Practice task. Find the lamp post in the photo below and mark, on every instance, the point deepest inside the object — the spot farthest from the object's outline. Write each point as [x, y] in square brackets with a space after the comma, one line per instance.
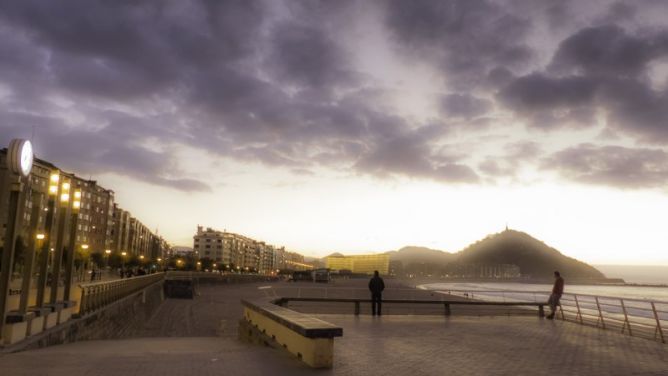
[29, 252]
[107, 253]
[63, 206]
[84, 262]
[123, 254]
[74, 218]
[45, 255]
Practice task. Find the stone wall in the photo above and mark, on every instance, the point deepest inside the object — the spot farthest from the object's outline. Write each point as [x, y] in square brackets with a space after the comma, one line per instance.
[118, 320]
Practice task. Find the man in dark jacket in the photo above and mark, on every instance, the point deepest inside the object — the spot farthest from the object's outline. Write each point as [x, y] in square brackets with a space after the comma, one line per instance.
[376, 286]
[557, 291]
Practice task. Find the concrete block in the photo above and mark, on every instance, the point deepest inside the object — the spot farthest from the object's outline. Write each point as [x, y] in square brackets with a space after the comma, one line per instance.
[50, 320]
[35, 326]
[316, 352]
[64, 315]
[14, 332]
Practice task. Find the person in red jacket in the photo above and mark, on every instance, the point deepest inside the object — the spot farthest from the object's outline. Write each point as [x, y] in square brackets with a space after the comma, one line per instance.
[557, 291]
[376, 286]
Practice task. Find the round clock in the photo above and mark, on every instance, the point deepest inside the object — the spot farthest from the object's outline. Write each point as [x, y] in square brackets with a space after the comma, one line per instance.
[19, 157]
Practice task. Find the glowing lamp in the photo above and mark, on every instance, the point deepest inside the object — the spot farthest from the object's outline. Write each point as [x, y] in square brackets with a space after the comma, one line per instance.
[41, 236]
[65, 197]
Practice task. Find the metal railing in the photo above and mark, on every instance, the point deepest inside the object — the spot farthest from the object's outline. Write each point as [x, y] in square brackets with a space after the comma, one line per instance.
[96, 295]
[636, 317]
[447, 304]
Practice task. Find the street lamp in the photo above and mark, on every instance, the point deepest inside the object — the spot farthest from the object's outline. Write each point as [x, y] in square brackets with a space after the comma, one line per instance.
[65, 193]
[123, 254]
[84, 256]
[107, 253]
[53, 183]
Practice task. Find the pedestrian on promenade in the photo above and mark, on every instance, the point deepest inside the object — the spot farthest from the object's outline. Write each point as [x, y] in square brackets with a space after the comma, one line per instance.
[557, 291]
[376, 286]
[92, 275]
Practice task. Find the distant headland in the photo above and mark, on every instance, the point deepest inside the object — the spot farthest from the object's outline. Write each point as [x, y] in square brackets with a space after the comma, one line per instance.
[509, 255]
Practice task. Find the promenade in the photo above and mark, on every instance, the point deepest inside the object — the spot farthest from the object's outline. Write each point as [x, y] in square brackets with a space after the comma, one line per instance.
[198, 337]
[13, 300]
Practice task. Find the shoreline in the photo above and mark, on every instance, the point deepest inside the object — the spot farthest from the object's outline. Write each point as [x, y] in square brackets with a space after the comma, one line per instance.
[414, 282]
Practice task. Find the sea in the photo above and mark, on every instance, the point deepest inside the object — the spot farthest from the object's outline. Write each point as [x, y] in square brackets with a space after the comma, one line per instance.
[642, 282]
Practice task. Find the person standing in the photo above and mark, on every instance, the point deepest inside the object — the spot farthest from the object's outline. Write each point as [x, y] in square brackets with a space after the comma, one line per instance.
[557, 291]
[376, 286]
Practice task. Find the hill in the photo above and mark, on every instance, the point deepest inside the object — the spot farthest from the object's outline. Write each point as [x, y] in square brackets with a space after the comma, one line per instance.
[534, 258]
[420, 261]
[412, 254]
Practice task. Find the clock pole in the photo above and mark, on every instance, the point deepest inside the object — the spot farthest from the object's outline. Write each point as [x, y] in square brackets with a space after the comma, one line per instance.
[19, 163]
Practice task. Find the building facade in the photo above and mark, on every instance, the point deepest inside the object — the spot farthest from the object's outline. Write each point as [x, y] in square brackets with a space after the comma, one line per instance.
[99, 224]
[242, 253]
[365, 264]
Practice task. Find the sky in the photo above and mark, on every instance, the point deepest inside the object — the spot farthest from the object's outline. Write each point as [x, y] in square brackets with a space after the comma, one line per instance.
[356, 126]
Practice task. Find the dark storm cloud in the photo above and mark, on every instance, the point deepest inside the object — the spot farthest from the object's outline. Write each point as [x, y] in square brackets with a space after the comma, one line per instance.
[597, 70]
[404, 153]
[608, 50]
[278, 83]
[464, 106]
[234, 78]
[466, 38]
[92, 152]
[305, 56]
[547, 102]
[612, 165]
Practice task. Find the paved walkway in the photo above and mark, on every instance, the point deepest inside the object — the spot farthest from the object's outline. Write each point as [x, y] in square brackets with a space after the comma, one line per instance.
[392, 345]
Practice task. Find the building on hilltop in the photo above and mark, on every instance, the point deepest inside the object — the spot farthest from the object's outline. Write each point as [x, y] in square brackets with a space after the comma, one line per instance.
[365, 264]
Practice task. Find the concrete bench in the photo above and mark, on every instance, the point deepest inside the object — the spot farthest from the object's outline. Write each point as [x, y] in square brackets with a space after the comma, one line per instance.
[310, 339]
